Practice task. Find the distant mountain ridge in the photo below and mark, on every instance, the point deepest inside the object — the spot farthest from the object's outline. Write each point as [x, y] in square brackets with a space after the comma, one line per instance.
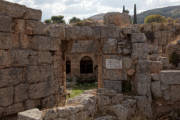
[172, 11]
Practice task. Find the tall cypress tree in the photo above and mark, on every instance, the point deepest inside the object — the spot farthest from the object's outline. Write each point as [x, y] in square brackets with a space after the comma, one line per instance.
[123, 9]
[135, 15]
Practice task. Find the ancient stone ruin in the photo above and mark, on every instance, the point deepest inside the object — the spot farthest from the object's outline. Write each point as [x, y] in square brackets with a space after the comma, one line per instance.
[137, 71]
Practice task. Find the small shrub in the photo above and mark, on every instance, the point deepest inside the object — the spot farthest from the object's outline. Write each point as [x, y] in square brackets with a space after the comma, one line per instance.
[174, 59]
[81, 80]
[155, 19]
[69, 79]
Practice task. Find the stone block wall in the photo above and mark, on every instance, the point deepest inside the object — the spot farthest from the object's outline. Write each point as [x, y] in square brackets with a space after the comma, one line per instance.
[30, 60]
[160, 35]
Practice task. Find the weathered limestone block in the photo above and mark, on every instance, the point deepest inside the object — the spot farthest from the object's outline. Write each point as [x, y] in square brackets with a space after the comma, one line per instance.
[156, 89]
[117, 99]
[170, 77]
[5, 40]
[69, 110]
[113, 85]
[80, 33]
[11, 76]
[155, 77]
[21, 93]
[19, 11]
[84, 46]
[15, 108]
[114, 75]
[20, 26]
[33, 114]
[110, 45]
[105, 118]
[6, 98]
[4, 58]
[143, 66]
[35, 28]
[45, 58]
[6, 23]
[165, 62]
[103, 100]
[50, 101]
[143, 83]
[164, 38]
[174, 92]
[56, 30]
[55, 44]
[144, 106]
[29, 104]
[109, 32]
[87, 100]
[19, 57]
[167, 94]
[140, 50]
[83, 115]
[106, 92]
[39, 73]
[53, 114]
[32, 14]
[147, 27]
[41, 43]
[125, 110]
[43, 89]
[138, 38]
[116, 18]
[155, 66]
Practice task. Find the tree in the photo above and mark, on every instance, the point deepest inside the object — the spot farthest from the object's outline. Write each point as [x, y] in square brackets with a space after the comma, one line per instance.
[155, 18]
[58, 19]
[48, 21]
[74, 20]
[123, 9]
[135, 15]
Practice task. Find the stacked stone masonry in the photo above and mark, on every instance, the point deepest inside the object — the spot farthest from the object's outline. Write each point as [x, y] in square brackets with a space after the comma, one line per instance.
[131, 60]
[30, 60]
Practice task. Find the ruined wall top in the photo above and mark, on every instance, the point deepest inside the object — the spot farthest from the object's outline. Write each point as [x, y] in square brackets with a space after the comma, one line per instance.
[19, 11]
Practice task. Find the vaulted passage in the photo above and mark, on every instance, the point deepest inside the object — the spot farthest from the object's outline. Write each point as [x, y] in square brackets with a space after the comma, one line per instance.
[86, 65]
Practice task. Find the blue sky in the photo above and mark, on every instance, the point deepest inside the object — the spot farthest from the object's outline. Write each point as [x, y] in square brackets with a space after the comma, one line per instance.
[86, 8]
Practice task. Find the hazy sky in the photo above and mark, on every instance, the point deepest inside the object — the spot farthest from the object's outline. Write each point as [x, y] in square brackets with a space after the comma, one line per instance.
[86, 8]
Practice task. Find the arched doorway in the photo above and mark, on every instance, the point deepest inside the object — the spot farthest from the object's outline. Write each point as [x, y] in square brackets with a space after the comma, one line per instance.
[86, 65]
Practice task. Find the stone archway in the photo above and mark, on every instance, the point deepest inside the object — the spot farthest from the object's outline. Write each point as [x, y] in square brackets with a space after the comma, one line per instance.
[86, 65]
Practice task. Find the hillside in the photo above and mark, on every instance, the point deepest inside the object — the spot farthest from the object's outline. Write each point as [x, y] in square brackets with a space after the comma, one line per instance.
[97, 17]
[173, 12]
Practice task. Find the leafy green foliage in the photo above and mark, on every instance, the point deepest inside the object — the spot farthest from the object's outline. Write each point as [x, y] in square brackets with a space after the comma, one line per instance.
[56, 20]
[80, 88]
[174, 59]
[155, 19]
[48, 21]
[74, 20]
